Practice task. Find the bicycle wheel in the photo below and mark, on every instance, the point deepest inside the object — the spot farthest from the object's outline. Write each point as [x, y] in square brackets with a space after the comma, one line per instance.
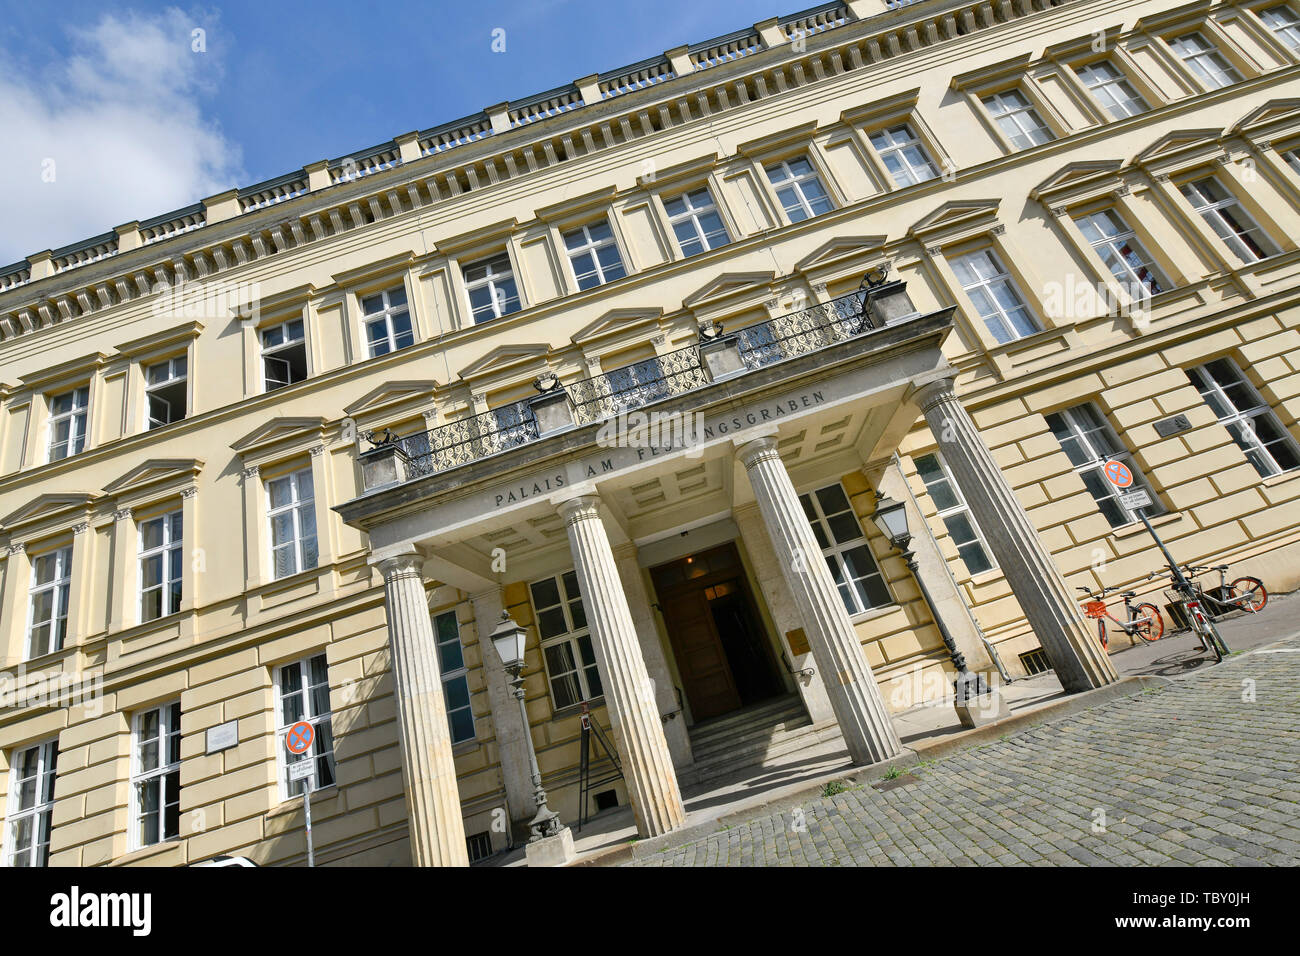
[1248, 593]
[1147, 622]
[1101, 633]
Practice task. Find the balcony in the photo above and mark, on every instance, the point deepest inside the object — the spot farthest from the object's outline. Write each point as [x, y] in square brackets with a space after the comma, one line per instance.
[717, 356]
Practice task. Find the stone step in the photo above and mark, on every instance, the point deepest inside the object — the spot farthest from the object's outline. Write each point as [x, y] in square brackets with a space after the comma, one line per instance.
[766, 713]
[743, 735]
[759, 755]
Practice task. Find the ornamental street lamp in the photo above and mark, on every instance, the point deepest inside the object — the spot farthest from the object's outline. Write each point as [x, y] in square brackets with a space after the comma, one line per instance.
[508, 639]
[891, 518]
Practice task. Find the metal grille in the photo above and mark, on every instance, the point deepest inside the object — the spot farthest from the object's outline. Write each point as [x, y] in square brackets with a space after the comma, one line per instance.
[460, 442]
[637, 385]
[807, 330]
[479, 845]
[1035, 662]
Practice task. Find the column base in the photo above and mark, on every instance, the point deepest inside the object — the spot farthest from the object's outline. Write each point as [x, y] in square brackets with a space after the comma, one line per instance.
[552, 850]
[976, 711]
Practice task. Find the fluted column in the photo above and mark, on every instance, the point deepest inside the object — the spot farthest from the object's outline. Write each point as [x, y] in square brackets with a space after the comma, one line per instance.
[647, 762]
[1071, 646]
[437, 832]
[854, 696]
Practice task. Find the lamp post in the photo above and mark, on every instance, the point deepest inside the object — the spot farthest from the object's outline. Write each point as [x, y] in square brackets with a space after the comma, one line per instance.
[891, 518]
[508, 639]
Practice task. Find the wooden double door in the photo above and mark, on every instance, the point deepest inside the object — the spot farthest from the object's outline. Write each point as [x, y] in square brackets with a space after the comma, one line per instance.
[723, 656]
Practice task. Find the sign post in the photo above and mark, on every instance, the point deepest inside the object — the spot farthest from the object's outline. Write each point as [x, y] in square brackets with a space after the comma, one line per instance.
[298, 741]
[1121, 476]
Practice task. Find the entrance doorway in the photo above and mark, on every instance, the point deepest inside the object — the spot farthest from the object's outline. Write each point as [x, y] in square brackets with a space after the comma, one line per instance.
[723, 656]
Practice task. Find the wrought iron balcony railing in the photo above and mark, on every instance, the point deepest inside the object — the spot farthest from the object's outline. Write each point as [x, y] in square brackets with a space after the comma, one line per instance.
[636, 386]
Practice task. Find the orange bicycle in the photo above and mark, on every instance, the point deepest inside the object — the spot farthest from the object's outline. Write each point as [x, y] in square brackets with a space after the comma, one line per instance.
[1144, 619]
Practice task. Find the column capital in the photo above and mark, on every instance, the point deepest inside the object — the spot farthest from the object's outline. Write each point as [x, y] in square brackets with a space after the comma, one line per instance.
[579, 506]
[404, 563]
[929, 394]
[755, 449]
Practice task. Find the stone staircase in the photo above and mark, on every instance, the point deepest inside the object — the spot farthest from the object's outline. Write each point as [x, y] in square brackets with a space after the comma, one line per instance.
[751, 738]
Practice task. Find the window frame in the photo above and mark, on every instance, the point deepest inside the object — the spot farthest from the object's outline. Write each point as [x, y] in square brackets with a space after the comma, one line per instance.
[265, 352]
[1209, 52]
[592, 248]
[834, 552]
[692, 214]
[1293, 26]
[62, 586]
[571, 637]
[454, 674]
[1269, 247]
[297, 506]
[1244, 418]
[1120, 77]
[76, 413]
[1030, 108]
[960, 509]
[898, 150]
[286, 787]
[386, 314]
[1004, 275]
[490, 281]
[139, 776]
[1097, 463]
[1130, 238]
[795, 182]
[172, 521]
[151, 388]
[41, 810]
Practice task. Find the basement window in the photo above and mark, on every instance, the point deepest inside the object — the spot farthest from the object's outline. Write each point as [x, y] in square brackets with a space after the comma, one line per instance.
[479, 845]
[166, 385]
[1035, 662]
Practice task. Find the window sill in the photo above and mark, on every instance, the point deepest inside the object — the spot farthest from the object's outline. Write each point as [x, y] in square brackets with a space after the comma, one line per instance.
[1280, 479]
[148, 852]
[985, 577]
[574, 710]
[464, 747]
[863, 617]
[1136, 527]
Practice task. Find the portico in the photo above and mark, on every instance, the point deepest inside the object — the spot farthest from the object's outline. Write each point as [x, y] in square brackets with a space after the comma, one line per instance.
[605, 495]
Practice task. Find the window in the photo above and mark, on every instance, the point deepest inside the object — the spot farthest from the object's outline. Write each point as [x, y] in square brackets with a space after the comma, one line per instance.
[566, 642]
[994, 295]
[68, 423]
[31, 805]
[1089, 443]
[492, 289]
[292, 514]
[48, 620]
[1119, 248]
[1283, 21]
[161, 557]
[799, 189]
[593, 253]
[165, 388]
[1112, 90]
[284, 354]
[387, 321]
[844, 547]
[696, 222]
[304, 691]
[1249, 420]
[156, 776]
[455, 677]
[1230, 222]
[903, 155]
[954, 513]
[1292, 157]
[1018, 120]
[1205, 61]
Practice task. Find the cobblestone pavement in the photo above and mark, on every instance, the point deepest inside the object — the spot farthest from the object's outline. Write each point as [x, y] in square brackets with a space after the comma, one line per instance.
[1196, 773]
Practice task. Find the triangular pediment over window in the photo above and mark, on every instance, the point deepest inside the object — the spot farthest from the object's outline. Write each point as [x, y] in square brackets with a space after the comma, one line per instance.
[727, 284]
[843, 249]
[617, 321]
[1077, 174]
[955, 215]
[1175, 143]
[1279, 111]
[390, 394]
[278, 430]
[505, 357]
[49, 507]
[154, 473]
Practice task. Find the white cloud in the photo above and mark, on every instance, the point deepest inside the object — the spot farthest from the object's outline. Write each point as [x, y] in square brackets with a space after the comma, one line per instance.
[120, 123]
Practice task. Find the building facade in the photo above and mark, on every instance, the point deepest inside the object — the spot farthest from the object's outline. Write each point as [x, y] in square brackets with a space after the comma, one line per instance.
[600, 359]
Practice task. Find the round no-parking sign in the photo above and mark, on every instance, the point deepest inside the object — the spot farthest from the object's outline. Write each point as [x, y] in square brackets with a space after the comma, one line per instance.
[298, 739]
[1118, 474]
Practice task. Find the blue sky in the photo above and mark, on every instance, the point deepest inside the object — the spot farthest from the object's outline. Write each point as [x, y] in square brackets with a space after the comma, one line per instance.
[108, 115]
